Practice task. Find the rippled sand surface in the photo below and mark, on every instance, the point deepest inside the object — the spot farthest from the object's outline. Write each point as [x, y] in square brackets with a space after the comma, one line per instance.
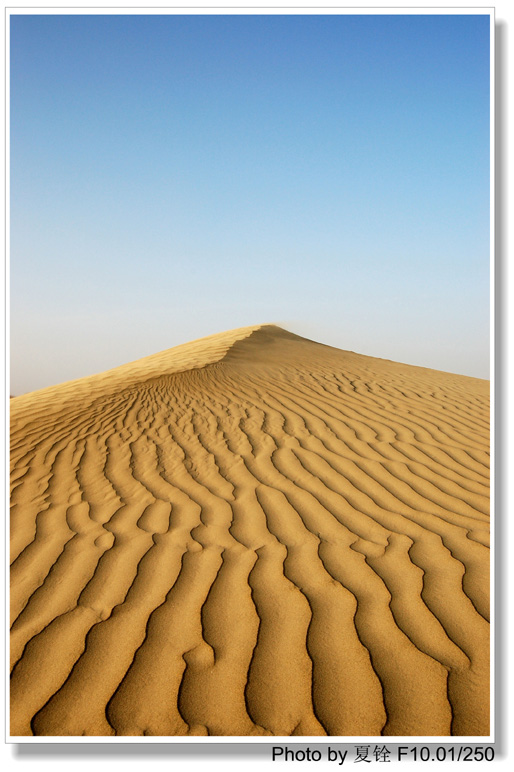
[251, 534]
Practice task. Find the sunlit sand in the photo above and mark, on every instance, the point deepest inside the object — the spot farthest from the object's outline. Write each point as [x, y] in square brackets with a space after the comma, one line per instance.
[251, 534]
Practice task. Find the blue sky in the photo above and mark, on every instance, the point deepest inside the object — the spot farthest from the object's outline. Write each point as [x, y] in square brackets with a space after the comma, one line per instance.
[175, 176]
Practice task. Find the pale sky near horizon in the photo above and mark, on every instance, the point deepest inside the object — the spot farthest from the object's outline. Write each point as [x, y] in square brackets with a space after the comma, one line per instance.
[175, 176]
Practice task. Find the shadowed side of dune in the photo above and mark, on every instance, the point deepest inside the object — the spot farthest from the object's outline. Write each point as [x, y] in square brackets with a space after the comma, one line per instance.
[280, 539]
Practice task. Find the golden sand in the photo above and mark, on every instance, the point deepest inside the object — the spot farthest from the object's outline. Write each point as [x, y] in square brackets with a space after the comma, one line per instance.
[251, 534]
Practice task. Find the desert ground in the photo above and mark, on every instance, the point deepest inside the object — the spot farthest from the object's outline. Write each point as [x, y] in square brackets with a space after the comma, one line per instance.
[251, 534]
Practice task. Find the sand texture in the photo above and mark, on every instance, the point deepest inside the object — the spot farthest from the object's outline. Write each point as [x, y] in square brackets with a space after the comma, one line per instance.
[251, 534]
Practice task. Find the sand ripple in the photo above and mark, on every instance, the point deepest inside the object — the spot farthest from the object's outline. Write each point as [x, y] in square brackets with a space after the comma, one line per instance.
[252, 534]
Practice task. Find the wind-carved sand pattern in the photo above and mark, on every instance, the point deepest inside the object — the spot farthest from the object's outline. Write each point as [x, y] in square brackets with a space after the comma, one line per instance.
[251, 534]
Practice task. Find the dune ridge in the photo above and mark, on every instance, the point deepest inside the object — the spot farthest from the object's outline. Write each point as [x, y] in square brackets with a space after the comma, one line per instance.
[251, 534]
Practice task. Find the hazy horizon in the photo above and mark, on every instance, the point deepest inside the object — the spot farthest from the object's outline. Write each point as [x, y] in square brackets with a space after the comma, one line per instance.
[175, 176]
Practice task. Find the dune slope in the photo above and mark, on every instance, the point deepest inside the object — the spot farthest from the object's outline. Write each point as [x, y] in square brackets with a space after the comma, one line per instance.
[251, 534]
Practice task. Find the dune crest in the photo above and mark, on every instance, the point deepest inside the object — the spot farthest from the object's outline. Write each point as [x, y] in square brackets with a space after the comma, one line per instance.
[251, 534]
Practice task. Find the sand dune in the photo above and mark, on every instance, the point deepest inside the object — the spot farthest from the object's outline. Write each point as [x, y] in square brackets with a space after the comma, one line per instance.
[251, 534]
